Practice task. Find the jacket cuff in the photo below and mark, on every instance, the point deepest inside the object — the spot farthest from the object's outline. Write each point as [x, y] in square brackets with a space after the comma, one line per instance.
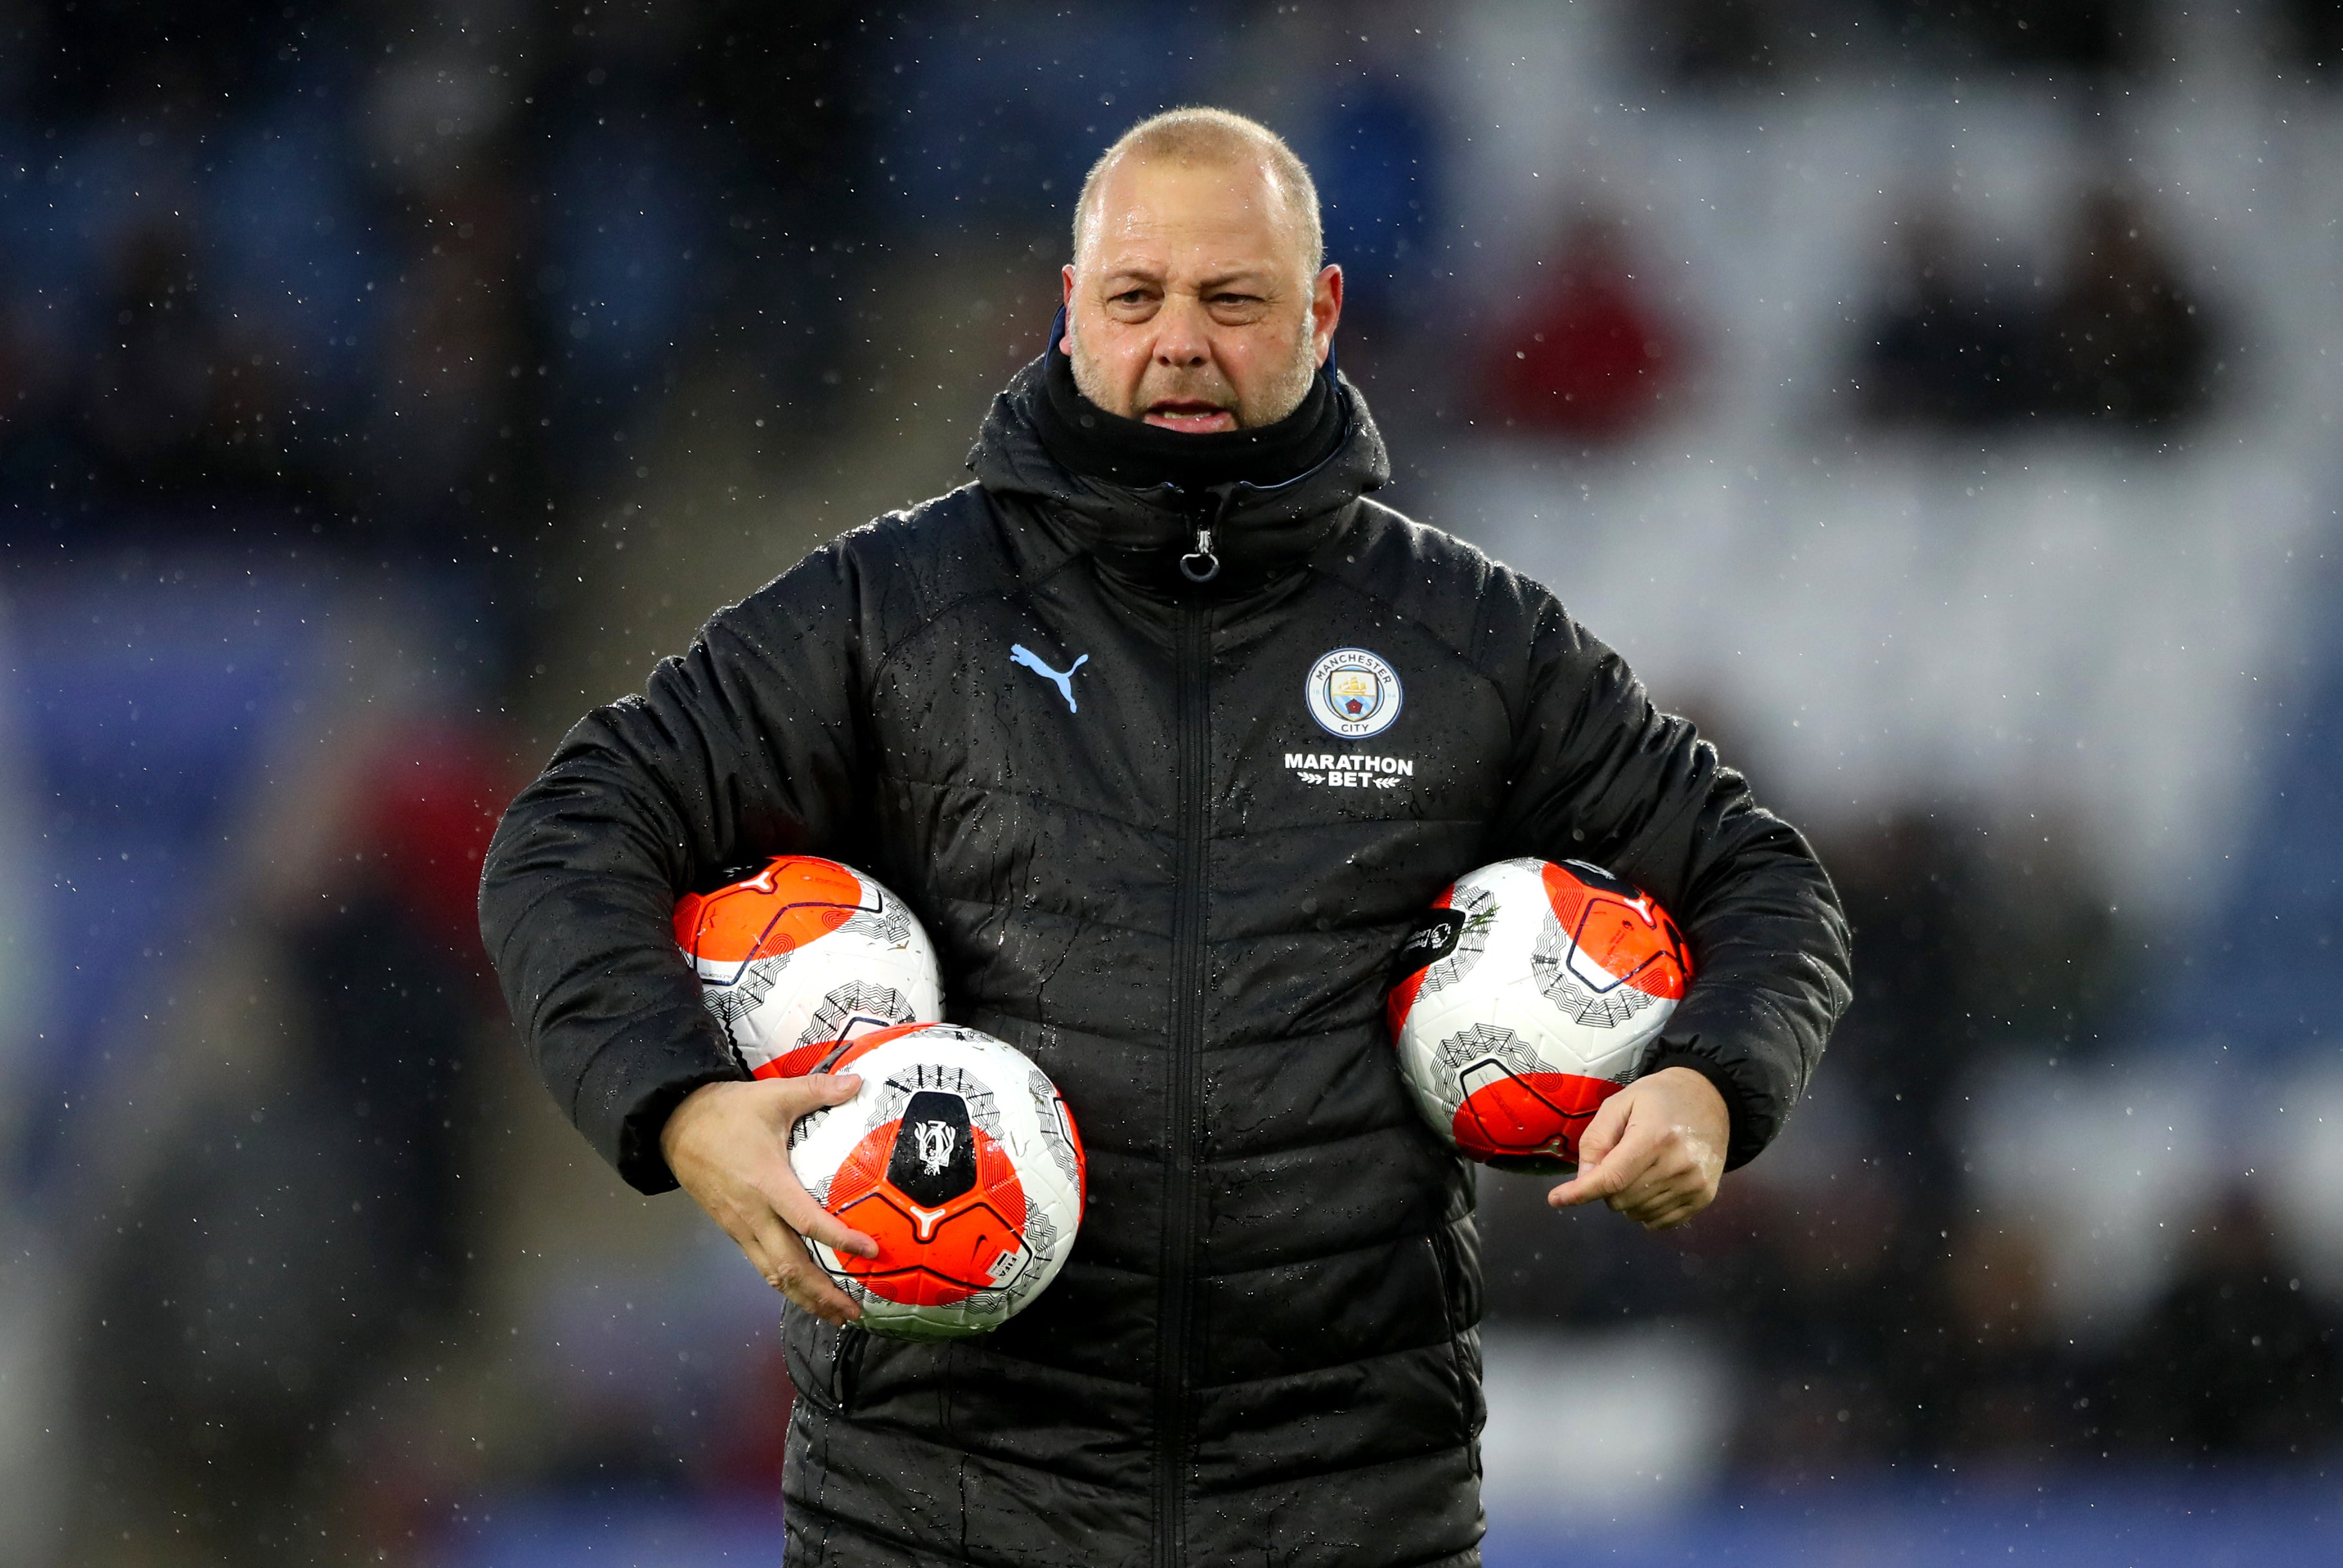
[635, 1083]
[1748, 1137]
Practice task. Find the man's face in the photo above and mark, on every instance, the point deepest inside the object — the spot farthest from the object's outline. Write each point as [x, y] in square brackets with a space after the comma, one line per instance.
[1191, 304]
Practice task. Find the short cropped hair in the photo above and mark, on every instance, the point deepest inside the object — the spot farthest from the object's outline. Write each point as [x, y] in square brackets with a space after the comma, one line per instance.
[1204, 136]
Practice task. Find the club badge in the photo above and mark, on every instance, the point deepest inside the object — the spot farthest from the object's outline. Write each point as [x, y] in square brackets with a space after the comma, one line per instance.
[1353, 694]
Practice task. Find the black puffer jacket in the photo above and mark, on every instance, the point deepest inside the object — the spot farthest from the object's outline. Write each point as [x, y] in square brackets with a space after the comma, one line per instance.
[1182, 895]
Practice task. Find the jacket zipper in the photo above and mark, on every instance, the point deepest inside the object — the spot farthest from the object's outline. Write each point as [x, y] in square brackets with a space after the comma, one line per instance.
[1182, 1130]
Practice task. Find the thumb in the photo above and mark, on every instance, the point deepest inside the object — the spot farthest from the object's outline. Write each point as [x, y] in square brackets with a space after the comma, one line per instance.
[1604, 1132]
[833, 1088]
[1594, 1146]
[793, 1097]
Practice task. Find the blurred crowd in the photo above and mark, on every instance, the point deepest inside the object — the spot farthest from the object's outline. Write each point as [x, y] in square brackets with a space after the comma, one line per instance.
[1884, 1310]
[303, 309]
[409, 278]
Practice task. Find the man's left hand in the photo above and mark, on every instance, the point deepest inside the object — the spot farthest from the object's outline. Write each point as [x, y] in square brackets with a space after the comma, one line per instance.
[1654, 1151]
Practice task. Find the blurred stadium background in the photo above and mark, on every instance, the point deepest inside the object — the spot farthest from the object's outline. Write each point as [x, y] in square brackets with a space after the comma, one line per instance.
[1936, 398]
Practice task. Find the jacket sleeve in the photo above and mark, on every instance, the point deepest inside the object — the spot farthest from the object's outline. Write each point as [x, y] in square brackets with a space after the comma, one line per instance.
[746, 746]
[1598, 774]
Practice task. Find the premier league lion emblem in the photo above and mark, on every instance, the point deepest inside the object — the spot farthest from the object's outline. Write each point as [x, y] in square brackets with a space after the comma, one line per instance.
[936, 1141]
[1353, 694]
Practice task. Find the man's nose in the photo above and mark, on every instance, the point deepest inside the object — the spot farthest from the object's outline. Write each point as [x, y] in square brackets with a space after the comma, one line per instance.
[1182, 342]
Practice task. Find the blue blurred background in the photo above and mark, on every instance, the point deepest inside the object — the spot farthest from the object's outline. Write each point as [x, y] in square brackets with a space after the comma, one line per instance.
[1935, 398]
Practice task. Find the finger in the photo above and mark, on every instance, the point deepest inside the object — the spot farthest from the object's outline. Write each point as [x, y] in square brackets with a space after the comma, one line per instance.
[1636, 1204]
[778, 1183]
[1674, 1180]
[794, 1097]
[1620, 1169]
[1676, 1203]
[798, 1211]
[1669, 1171]
[830, 1088]
[1648, 1199]
[782, 1260]
[797, 1276]
[744, 1236]
[1669, 1216]
[1605, 1130]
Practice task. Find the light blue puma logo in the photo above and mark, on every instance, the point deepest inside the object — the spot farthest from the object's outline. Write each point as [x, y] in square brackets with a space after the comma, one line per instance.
[1020, 654]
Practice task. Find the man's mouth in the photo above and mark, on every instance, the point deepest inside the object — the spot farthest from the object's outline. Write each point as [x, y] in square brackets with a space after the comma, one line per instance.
[1195, 418]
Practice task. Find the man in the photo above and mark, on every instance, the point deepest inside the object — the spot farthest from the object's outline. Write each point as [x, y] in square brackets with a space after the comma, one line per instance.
[1263, 1345]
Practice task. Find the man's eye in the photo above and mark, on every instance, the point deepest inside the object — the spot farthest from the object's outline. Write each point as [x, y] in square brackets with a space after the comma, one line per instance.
[1132, 296]
[1236, 299]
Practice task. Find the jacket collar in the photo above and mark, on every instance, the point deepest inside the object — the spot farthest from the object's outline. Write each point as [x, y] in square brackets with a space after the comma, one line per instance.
[1255, 533]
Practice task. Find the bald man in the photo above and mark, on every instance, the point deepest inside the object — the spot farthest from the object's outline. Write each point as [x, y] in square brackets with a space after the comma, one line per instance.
[1063, 710]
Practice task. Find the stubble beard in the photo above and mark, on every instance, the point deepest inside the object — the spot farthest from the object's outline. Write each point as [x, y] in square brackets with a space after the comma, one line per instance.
[1280, 398]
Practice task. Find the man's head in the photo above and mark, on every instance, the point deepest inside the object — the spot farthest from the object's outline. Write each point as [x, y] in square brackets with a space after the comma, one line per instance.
[1198, 298]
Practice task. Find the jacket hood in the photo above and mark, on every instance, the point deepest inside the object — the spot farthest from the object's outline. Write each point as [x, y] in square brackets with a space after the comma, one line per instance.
[1258, 532]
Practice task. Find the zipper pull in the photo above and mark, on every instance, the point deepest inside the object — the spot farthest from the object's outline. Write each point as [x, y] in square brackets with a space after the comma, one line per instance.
[1203, 565]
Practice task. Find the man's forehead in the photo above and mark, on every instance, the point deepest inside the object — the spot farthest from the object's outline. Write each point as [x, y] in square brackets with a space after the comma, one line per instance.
[1148, 209]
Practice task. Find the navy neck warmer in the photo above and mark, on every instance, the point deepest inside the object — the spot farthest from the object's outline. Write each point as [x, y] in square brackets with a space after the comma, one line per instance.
[1088, 440]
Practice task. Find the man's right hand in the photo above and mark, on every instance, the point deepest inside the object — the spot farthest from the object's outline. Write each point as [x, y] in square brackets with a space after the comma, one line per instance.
[729, 1145]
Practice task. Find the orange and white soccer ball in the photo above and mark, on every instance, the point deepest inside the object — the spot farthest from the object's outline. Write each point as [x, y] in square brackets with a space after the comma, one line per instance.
[960, 1160]
[1529, 995]
[804, 958]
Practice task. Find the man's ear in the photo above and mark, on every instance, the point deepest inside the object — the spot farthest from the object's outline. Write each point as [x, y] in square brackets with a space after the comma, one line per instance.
[1325, 307]
[1066, 298]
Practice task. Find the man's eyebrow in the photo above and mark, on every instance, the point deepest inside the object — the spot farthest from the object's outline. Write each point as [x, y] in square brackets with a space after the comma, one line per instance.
[1142, 271]
[1151, 272]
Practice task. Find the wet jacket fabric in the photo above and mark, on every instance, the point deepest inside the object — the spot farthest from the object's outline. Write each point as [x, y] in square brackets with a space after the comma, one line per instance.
[1181, 894]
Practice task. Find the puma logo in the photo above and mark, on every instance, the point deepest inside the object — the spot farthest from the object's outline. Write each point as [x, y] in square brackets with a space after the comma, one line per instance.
[1020, 654]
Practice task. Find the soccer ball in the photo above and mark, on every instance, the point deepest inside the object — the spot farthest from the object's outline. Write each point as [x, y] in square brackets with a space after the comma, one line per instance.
[1525, 998]
[802, 959]
[960, 1158]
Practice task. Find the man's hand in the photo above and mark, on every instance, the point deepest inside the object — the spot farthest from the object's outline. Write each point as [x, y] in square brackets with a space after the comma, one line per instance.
[1654, 1151]
[728, 1144]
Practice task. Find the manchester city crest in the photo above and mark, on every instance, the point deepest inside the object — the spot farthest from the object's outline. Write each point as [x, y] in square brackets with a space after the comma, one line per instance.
[1353, 694]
